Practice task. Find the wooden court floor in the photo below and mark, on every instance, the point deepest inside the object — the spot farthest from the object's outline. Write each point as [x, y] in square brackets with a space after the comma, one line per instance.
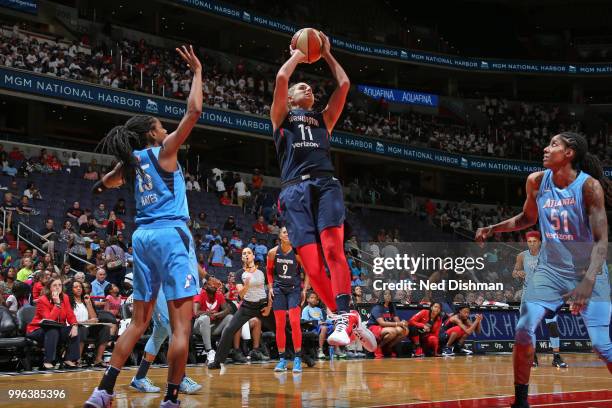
[476, 381]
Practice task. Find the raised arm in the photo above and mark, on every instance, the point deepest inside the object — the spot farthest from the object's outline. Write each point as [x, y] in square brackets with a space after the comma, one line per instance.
[527, 218]
[112, 179]
[279, 108]
[167, 157]
[334, 107]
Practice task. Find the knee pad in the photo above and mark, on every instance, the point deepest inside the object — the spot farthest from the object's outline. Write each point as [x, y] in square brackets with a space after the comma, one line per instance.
[553, 329]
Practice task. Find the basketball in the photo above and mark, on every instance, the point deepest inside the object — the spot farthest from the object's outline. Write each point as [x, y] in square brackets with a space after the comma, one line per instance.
[309, 42]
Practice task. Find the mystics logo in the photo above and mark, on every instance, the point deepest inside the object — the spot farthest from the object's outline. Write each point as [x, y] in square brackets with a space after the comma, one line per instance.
[151, 106]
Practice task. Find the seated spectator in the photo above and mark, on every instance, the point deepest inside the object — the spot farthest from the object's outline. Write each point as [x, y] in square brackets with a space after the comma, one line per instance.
[113, 300]
[10, 207]
[6, 166]
[54, 306]
[192, 184]
[9, 276]
[217, 254]
[227, 259]
[91, 273]
[99, 284]
[115, 262]
[75, 211]
[425, 330]
[79, 277]
[313, 313]
[13, 188]
[32, 192]
[128, 285]
[253, 243]
[225, 199]
[40, 279]
[273, 227]
[84, 217]
[88, 229]
[91, 174]
[100, 214]
[257, 180]
[24, 207]
[202, 222]
[232, 290]
[235, 242]
[358, 295]
[74, 161]
[212, 315]
[5, 258]
[87, 318]
[113, 224]
[386, 326]
[260, 226]
[457, 328]
[26, 270]
[230, 224]
[119, 207]
[261, 251]
[16, 155]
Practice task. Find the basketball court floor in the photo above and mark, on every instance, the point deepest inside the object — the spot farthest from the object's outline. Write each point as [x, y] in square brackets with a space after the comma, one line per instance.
[475, 381]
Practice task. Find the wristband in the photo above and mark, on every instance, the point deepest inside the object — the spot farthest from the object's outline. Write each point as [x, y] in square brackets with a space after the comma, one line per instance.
[99, 187]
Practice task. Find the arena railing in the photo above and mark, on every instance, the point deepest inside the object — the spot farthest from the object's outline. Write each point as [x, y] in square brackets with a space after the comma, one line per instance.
[22, 237]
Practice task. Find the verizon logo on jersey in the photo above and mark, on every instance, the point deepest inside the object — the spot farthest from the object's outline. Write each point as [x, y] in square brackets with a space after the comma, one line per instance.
[306, 119]
[304, 144]
[550, 203]
[560, 237]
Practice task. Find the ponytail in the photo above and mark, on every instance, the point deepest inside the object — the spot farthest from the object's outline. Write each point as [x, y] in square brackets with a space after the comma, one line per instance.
[122, 140]
[589, 163]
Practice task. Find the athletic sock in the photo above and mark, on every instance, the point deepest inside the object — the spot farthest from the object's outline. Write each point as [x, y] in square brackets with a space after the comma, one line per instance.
[143, 369]
[172, 391]
[108, 381]
[342, 303]
[521, 391]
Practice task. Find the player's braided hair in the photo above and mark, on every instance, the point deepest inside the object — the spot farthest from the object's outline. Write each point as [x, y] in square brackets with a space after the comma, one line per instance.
[122, 140]
[587, 162]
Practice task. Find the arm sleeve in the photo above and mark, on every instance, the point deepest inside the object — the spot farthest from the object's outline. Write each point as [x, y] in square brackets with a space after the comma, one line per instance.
[270, 271]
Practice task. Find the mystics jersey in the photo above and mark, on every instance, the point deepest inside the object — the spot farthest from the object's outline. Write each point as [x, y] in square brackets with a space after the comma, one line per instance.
[529, 264]
[378, 311]
[160, 195]
[567, 239]
[302, 144]
[286, 271]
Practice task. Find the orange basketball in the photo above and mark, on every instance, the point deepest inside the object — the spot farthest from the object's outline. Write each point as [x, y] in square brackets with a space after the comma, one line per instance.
[308, 41]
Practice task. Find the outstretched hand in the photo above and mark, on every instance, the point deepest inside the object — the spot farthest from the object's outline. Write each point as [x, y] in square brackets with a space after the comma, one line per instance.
[190, 58]
[299, 55]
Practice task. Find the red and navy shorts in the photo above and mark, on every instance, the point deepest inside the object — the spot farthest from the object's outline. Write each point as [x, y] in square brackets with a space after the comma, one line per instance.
[307, 208]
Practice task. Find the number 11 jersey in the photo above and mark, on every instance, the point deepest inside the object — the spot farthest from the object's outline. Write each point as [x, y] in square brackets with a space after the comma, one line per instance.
[302, 144]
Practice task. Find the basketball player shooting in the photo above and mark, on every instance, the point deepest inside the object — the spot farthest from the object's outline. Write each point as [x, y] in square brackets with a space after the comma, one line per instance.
[311, 199]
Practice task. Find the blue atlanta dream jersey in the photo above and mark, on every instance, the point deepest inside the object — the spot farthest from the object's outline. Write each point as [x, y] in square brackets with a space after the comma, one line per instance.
[567, 239]
[302, 144]
[160, 195]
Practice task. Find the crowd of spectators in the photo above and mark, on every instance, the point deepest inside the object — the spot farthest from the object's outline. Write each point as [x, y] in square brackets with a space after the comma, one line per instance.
[513, 132]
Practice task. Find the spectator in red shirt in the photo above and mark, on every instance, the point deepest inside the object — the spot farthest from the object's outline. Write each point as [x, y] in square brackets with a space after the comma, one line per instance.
[212, 314]
[232, 290]
[41, 279]
[16, 155]
[225, 199]
[260, 226]
[425, 329]
[54, 306]
[430, 209]
[257, 180]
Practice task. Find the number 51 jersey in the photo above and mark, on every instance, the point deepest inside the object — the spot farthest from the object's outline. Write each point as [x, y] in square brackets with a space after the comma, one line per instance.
[302, 144]
[160, 195]
[567, 239]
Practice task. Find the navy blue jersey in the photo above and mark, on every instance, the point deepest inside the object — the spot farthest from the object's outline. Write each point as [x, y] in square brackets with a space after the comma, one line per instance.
[378, 311]
[161, 195]
[302, 144]
[286, 271]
